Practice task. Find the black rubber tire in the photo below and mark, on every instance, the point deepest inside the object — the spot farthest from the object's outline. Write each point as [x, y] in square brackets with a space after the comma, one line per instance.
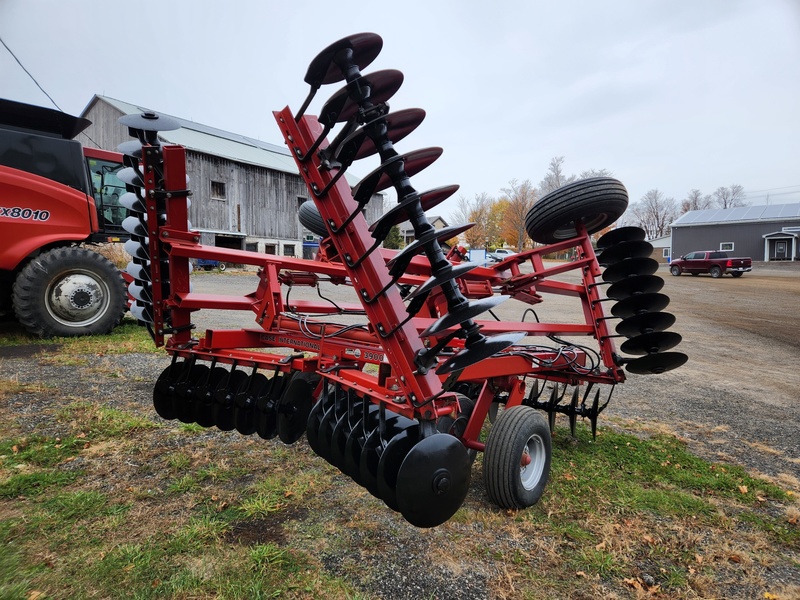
[596, 202]
[715, 272]
[513, 434]
[311, 219]
[675, 270]
[737, 274]
[92, 278]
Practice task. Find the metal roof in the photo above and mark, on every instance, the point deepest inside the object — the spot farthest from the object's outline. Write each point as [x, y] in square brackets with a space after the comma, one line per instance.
[765, 212]
[216, 142]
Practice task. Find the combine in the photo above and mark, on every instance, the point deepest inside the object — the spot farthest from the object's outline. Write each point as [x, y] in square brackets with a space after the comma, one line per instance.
[397, 402]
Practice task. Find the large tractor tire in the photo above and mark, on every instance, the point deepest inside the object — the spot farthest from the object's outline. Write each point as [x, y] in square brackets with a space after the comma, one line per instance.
[595, 202]
[69, 292]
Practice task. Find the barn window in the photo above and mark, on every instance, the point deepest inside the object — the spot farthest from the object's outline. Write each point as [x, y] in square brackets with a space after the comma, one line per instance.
[288, 250]
[726, 246]
[218, 190]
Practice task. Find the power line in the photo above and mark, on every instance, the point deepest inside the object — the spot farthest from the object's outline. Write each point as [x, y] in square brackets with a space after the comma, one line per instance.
[29, 74]
[786, 187]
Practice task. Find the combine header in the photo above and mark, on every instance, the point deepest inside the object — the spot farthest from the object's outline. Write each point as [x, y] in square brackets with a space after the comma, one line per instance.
[398, 402]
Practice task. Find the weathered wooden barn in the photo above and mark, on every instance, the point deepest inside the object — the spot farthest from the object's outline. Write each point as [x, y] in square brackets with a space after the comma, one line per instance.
[245, 192]
[767, 232]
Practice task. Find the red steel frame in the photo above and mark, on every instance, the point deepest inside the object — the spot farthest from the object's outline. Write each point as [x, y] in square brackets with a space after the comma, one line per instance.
[340, 356]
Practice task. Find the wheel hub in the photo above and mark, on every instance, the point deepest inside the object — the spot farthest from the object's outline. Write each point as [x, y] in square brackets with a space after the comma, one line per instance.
[77, 298]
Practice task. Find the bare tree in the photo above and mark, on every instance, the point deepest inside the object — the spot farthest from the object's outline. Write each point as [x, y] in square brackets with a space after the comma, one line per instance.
[478, 211]
[595, 173]
[519, 198]
[695, 200]
[555, 176]
[729, 197]
[654, 213]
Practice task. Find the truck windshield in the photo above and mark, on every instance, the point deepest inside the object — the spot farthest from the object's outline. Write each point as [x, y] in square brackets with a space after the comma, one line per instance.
[108, 189]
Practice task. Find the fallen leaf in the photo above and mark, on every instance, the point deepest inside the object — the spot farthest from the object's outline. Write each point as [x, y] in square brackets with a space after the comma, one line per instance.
[735, 558]
[15, 449]
[769, 596]
[569, 477]
[634, 583]
[288, 493]
[761, 498]
[80, 436]
[35, 595]
[600, 546]
[743, 489]
[698, 559]
[649, 539]
[692, 571]
[580, 574]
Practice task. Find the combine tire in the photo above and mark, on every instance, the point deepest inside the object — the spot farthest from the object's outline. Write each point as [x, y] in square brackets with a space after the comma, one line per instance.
[516, 463]
[596, 202]
[69, 292]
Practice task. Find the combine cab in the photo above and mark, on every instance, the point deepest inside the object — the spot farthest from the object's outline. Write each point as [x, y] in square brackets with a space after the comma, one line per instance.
[397, 402]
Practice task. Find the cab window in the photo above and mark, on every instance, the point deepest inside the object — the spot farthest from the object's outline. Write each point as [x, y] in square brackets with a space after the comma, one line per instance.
[108, 189]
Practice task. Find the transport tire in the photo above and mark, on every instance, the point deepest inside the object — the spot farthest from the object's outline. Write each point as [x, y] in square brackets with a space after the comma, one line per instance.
[516, 462]
[715, 271]
[69, 292]
[596, 202]
[675, 270]
[311, 219]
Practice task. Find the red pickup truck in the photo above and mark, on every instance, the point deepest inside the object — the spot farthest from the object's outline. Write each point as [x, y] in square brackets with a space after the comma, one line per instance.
[709, 261]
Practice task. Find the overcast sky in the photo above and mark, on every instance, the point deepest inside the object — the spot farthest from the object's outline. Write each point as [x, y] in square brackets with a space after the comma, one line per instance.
[666, 94]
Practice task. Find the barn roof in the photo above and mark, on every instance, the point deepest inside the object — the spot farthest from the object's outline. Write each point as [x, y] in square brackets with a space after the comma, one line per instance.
[764, 212]
[216, 142]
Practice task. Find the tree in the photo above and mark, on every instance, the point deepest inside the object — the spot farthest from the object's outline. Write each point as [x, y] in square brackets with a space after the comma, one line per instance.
[729, 197]
[695, 201]
[654, 213]
[555, 177]
[393, 240]
[518, 198]
[478, 211]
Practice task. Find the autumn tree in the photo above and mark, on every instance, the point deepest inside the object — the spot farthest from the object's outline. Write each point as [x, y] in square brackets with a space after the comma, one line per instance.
[518, 198]
[695, 200]
[478, 211]
[654, 213]
[729, 197]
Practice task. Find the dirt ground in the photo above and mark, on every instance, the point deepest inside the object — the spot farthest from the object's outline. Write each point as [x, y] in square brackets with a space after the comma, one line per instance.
[736, 398]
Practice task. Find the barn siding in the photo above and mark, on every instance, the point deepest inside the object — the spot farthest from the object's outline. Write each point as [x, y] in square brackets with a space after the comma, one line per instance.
[747, 237]
[259, 202]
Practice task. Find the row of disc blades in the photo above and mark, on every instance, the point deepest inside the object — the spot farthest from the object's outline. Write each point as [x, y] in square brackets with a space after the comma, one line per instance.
[639, 304]
[234, 399]
[424, 478]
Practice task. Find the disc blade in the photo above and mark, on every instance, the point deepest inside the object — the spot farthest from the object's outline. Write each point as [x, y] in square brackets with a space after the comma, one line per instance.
[462, 313]
[137, 272]
[140, 292]
[134, 226]
[355, 443]
[380, 179]
[363, 48]
[183, 398]
[477, 352]
[402, 258]
[655, 364]
[130, 176]
[650, 343]
[295, 405]
[448, 273]
[621, 234]
[341, 107]
[131, 148]
[150, 121]
[142, 313]
[645, 323]
[245, 412]
[433, 480]
[640, 303]
[398, 213]
[132, 202]
[163, 390]
[136, 250]
[628, 267]
[391, 460]
[204, 397]
[398, 126]
[623, 250]
[636, 284]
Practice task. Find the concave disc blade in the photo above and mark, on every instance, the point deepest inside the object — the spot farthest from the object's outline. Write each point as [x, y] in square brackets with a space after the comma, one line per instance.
[628, 267]
[224, 397]
[655, 364]
[391, 460]
[640, 303]
[312, 426]
[465, 311]
[295, 405]
[184, 393]
[137, 271]
[136, 250]
[341, 433]
[623, 250]
[355, 443]
[433, 480]
[621, 234]
[245, 411]
[164, 389]
[418, 246]
[645, 323]
[637, 284]
[399, 212]
[363, 49]
[650, 343]
[398, 126]
[445, 275]
[131, 148]
[266, 414]
[130, 176]
[140, 292]
[132, 202]
[373, 448]
[470, 355]
[325, 432]
[204, 397]
[142, 313]
[341, 107]
[150, 121]
[380, 179]
[134, 226]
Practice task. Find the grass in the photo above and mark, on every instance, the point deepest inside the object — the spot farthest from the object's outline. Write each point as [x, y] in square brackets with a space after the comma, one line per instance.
[101, 499]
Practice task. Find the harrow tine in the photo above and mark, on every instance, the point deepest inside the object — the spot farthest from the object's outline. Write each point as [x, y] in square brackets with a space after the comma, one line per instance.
[594, 412]
[573, 411]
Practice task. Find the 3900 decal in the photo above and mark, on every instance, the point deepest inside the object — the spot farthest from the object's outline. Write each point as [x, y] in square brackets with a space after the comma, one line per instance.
[16, 212]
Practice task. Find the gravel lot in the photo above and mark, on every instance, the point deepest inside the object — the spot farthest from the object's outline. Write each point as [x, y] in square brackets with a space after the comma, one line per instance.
[735, 399]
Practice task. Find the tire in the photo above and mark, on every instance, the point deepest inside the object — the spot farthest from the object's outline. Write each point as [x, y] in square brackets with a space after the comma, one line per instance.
[596, 202]
[737, 274]
[311, 219]
[69, 292]
[715, 271]
[221, 266]
[519, 432]
[675, 270]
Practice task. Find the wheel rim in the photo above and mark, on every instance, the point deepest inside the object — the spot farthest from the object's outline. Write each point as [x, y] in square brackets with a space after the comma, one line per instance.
[532, 462]
[77, 299]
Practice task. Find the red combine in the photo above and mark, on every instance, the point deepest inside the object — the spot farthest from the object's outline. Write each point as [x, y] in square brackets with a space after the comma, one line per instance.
[398, 402]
